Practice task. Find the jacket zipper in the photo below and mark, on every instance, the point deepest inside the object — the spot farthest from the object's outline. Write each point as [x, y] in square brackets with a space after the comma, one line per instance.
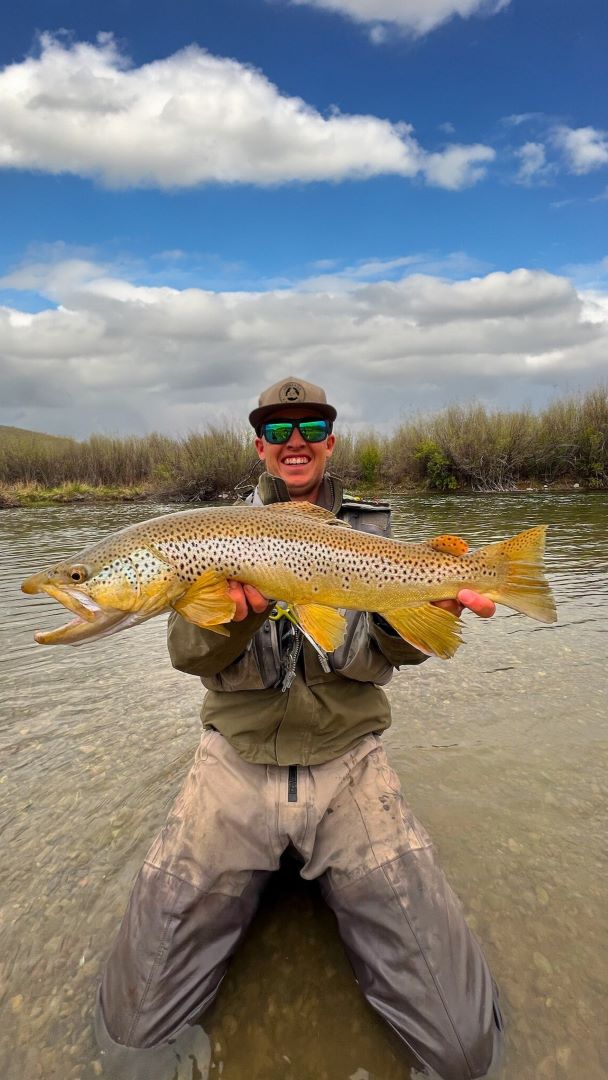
[291, 661]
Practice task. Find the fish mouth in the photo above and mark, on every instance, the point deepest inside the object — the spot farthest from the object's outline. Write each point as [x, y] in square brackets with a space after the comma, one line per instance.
[91, 621]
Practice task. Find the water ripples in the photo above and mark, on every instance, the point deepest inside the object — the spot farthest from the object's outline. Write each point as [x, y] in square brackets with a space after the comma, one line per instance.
[97, 739]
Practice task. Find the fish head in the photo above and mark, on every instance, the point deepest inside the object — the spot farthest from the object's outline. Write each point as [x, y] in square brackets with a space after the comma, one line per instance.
[105, 591]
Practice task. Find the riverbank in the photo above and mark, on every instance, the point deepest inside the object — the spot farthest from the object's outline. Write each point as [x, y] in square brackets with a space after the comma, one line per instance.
[34, 495]
[23, 495]
[461, 449]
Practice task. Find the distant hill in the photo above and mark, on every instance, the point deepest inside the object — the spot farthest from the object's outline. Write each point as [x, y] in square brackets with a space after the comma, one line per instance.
[21, 435]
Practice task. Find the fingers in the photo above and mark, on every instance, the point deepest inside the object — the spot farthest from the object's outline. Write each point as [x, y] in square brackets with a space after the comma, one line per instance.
[478, 604]
[257, 601]
[472, 601]
[246, 597]
[452, 606]
[236, 593]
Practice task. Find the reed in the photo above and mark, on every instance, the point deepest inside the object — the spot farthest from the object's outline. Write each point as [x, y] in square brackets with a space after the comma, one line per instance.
[462, 447]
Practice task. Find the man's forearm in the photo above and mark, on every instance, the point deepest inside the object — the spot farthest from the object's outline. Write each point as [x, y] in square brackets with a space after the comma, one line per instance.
[202, 652]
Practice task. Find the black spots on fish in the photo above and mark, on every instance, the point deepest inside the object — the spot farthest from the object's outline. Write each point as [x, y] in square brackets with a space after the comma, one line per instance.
[146, 565]
[116, 567]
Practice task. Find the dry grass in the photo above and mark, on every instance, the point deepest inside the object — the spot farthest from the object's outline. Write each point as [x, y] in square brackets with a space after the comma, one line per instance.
[461, 447]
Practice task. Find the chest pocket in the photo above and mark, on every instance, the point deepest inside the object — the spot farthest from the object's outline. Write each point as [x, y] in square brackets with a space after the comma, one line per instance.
[258, 668]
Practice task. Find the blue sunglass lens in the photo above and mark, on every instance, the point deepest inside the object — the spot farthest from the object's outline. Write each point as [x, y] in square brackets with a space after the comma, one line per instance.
[277, 433]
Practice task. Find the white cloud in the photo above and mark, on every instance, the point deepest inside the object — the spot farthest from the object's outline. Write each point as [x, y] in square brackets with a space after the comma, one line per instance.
[378, 34]
[194, 118]
[415, 17]
[517, 119]
[533, 168]
[584, 148]
[349, 278]
[458, 166]
[114, 355]
[575, 150]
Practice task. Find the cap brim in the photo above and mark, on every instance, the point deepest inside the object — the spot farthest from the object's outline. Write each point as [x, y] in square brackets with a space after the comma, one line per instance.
[258, 416]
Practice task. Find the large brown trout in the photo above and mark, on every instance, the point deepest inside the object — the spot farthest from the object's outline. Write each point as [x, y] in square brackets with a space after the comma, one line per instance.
[295, 552]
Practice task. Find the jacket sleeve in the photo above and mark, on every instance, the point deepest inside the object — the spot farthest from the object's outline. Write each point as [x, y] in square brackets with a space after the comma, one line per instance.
[394, 648]
[370, 652]
[202, 652]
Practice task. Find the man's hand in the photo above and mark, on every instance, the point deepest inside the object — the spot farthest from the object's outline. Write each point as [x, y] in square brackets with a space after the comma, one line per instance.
[472, 601]
[246, 597]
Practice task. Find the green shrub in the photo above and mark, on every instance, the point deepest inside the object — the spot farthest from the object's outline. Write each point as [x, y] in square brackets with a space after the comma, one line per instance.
[436, 467]
[344, 461]
[370, 462]
[462, 446]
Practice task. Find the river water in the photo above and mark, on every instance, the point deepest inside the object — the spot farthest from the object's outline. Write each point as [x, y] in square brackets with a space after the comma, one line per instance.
[501, 752]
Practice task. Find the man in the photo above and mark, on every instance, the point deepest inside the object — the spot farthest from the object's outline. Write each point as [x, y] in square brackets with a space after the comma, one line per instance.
[291, 757]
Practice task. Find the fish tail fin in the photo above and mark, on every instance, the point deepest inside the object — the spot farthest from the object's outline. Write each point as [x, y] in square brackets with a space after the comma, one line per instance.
[521, 582]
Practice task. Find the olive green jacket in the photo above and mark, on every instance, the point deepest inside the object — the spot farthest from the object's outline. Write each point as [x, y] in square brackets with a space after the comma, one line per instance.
[277, 705]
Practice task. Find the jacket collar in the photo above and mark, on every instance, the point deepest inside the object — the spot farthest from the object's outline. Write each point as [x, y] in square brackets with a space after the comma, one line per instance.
[272, 489]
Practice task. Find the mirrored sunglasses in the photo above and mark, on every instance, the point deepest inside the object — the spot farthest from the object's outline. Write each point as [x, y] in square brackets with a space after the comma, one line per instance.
[280, 431]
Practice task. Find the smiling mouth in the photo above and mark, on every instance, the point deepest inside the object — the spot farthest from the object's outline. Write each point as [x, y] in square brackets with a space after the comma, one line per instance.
[295, 460]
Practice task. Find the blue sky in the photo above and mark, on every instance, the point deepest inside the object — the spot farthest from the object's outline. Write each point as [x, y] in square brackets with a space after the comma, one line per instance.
[403, 199]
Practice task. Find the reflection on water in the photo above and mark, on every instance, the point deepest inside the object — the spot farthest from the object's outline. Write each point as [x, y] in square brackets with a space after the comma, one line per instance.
[502, 753]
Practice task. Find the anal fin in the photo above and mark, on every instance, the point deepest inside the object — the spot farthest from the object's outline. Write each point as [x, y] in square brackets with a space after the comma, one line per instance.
[431, 629]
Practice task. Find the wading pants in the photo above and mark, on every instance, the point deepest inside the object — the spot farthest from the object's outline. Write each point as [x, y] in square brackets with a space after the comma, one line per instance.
[414, 956]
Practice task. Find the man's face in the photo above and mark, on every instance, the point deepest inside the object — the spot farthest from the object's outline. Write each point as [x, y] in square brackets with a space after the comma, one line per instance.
[299, 463]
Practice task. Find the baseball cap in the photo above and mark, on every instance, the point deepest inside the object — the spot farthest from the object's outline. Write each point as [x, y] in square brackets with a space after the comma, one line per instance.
[291, 391]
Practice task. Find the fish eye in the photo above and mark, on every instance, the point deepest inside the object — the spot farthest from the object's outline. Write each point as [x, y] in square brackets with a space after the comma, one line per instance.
[78, 573]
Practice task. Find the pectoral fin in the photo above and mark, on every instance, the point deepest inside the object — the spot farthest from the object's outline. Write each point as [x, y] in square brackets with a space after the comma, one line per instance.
[324, 624]
[207, 602]
[431, 629]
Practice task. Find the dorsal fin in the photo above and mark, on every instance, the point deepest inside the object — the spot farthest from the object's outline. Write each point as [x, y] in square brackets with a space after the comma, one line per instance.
[310, 509]
[449, 545]
[298, 508]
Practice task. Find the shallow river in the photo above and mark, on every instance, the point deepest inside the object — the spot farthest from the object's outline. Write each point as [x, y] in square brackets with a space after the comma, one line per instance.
[502, 754]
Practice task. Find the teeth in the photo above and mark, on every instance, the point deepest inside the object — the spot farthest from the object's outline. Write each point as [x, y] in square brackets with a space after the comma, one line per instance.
[296, 461]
